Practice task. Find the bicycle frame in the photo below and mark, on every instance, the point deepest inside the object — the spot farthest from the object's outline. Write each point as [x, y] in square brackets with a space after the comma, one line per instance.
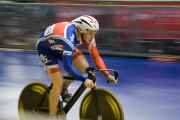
[72, 101]
[78, 93]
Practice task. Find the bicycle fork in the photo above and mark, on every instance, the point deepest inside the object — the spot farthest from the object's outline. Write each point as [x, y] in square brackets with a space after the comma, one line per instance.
[99, 116]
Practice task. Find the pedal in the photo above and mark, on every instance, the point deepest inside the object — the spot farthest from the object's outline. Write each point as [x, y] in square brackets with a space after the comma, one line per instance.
[66, 98]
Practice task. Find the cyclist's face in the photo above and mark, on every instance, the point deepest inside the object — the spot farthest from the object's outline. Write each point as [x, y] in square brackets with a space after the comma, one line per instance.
[89, 36]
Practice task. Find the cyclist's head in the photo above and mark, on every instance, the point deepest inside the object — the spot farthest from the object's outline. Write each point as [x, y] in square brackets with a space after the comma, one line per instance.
[86, 22]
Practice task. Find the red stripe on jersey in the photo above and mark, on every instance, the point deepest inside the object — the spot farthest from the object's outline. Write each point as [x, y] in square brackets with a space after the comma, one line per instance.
[53, 70]
[60, 28]
[79, 53]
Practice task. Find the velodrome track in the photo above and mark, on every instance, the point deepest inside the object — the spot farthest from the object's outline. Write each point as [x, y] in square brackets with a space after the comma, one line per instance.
[147, 90]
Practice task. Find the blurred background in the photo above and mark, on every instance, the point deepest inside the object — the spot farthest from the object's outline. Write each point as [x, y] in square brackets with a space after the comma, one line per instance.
[136, 28]
[140, 39]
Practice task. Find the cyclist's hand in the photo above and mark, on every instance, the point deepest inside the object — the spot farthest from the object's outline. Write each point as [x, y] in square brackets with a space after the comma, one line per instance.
[112, 80]
[89, 83]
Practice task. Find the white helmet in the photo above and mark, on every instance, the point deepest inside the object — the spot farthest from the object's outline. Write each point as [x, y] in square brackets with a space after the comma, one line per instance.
[85, 22]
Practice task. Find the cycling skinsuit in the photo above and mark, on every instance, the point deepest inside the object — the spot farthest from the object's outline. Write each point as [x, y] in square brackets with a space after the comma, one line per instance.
[58, 42]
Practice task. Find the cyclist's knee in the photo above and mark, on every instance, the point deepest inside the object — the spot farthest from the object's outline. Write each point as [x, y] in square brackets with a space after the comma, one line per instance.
[57, 86]
[80, 63]
[83, 68]
[57, 80]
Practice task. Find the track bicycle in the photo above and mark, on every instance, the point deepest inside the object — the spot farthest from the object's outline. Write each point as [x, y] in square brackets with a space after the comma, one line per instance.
[96, 104]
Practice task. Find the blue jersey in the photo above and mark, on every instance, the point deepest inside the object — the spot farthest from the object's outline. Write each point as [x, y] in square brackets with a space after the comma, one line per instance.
[58, 42]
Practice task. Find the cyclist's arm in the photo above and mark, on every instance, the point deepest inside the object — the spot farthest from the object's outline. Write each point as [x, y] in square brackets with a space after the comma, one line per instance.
[67, 62]
[67, 55]
[97, 58]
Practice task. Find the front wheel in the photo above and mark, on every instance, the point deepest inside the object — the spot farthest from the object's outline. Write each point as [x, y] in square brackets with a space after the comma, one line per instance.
[109, 106]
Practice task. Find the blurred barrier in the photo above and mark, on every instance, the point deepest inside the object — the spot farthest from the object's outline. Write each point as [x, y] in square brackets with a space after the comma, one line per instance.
[21, 24]
[130, 31]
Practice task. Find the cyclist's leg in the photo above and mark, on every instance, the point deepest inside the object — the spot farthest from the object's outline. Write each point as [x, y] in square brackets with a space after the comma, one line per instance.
[80, 63]
[57, 81]
[50, 61]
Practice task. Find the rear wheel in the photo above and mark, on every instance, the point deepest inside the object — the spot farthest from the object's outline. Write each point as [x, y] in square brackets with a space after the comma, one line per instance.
[29, 98]
[109, 106]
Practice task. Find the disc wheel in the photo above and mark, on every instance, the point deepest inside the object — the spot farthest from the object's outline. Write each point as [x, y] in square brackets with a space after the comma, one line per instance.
[109, 106]
[29, 98]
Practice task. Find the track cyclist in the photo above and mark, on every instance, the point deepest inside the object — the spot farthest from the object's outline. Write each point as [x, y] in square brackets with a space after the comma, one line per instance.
[59, 42]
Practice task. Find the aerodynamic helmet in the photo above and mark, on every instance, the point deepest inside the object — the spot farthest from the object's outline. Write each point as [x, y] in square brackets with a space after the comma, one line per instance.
[85, 22]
